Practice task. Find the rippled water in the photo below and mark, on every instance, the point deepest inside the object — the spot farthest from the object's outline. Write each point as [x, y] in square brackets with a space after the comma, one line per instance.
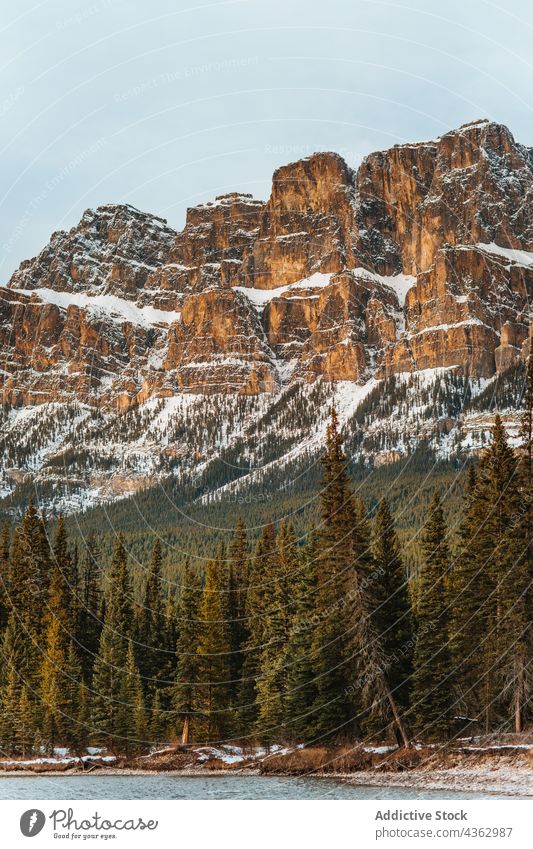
[204, 787]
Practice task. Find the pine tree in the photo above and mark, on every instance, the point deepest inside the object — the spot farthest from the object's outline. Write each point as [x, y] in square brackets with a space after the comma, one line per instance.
[132, 705]
[472, 588]
[60, 668]
[489, 622]
[336, 703]
[109, 713]
[53, 697]
[84, 718]
[256, 607]
[12, 683]
[158, 724]
[26, 722]
[76, 735]
[187, 673]
[238, 554]
[30, 569]
[497, 536]
[65, 575]
[214, 655]
[156, 638]
[432, 698]
[271, 682]
[90, 625]
[300, 692]
[392, 610]
[516, 593]
[5, 604]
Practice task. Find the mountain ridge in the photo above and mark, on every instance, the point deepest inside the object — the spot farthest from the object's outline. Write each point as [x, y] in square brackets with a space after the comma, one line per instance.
[145, 352]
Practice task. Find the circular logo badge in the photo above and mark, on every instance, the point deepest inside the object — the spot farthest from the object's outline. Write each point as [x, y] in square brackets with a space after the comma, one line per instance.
[32, 822]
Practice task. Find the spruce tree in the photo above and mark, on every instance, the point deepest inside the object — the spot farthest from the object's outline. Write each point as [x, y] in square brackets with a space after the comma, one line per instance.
[392, 609]
[133, 705]
[12, 684]
[214, 653]
[30, 568]
[504, 566]
[300, 691]
[271, 682]
[432, 697]
[65, 577]
[5, 604]
[238, 554]
[110, 714]
[54, 699]
[90, 624]
[472, 588]
[336, 703]
[187, 672]
[256, 607]
[26, 722]
[155, 655]
[516, 592]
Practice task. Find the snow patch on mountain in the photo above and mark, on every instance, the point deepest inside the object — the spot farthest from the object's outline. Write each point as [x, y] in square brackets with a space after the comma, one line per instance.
[260, 297]
[118, 309]
[524, 258]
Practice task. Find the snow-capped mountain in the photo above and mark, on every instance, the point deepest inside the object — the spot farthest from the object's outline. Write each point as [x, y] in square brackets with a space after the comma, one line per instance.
[131, 352]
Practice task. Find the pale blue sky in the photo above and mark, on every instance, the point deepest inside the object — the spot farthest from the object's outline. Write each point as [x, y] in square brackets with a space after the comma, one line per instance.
[166, 103]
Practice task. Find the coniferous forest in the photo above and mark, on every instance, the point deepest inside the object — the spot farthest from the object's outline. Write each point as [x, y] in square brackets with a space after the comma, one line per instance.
[319, 638]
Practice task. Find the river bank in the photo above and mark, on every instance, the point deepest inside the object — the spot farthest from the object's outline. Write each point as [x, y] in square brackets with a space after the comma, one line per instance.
[467, 766]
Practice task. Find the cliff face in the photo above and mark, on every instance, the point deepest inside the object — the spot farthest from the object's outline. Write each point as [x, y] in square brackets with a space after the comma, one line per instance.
[473, 185]
[307, 225]
[419, 260]
[131, 351]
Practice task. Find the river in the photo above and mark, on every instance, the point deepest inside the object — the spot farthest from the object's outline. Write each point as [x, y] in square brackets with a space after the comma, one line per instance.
[162, 786]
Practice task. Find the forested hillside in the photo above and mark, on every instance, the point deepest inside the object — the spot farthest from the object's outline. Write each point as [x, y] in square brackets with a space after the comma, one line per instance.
[325, 633]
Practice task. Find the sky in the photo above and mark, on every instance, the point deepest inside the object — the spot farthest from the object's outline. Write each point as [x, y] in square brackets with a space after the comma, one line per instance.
[165, 104]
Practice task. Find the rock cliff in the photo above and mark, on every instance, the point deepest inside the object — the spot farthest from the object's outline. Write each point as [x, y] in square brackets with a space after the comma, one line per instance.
[421, 259]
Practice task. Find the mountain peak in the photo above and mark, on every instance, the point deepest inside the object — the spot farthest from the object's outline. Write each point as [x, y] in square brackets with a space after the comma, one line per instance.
[419, 264]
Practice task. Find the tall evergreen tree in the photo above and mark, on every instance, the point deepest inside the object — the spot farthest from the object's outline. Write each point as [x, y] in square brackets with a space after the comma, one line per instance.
[64, 572]
[256, 607]
[516, 590]
[155, 655]
[110, 714]
[185, 695]
[432, 697]
[5, 604]
[333, 646]
[12, 684]
[90, 625]
[471, 589]
[30, 568]
[300, 692]
[392, 610]
[132, 698]
[214, 653]
[271, 682]
[238, 554]
[54, 698]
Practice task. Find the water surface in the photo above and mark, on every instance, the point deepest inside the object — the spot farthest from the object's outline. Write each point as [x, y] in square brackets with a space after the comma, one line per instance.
[162, 786]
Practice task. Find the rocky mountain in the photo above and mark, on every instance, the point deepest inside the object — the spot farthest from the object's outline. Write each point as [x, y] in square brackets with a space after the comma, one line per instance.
[131, 352]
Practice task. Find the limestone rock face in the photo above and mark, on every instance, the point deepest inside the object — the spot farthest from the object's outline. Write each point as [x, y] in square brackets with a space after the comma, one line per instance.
[307, 224]
[112, 250]
[218, 347]
[421, 259]
[468, 304]
[474, 184]
[210, 249]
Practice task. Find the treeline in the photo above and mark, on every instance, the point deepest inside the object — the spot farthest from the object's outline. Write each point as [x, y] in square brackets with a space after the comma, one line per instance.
[313, 640]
